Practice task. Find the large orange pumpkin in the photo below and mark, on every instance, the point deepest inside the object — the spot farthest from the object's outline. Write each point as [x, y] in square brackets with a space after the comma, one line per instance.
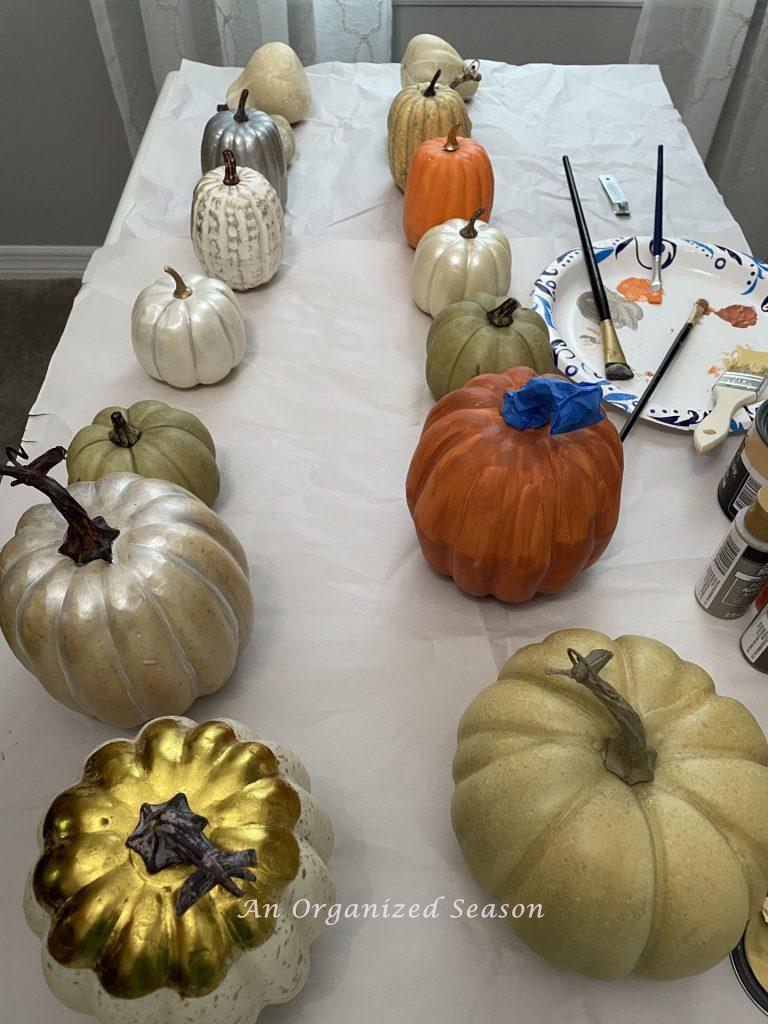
[511, 512]
[449, 177]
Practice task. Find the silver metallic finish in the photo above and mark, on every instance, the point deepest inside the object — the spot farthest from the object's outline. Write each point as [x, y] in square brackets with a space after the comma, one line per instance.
[618, 199]
[255, 141]
[656, 273]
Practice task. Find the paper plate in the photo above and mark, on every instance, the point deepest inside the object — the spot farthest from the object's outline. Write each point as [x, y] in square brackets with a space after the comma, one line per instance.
[735, 286]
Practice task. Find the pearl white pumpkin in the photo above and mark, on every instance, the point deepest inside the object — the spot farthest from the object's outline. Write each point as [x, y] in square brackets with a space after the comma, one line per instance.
[144, 633]
[251, 792]
[187, 332]
[425, 53]
[276, 83]
[456, 259]
[287, 137]
[621, 793]
[237, 225]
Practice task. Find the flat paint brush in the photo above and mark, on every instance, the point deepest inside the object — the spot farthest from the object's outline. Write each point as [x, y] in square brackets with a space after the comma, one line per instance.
[698, 311]
[658, 239]
[616, 366]
[733, 390]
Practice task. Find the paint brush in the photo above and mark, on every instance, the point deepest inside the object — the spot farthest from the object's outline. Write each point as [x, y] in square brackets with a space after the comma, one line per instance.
[698, 311]
[658, 243]
[616, 367]
[734, 389]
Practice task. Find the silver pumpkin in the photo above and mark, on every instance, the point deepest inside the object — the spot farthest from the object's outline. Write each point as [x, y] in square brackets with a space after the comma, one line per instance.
[254, 139]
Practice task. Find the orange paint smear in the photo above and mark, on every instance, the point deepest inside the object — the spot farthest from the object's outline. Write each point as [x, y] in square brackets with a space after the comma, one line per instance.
[638, 289]
[736, 315]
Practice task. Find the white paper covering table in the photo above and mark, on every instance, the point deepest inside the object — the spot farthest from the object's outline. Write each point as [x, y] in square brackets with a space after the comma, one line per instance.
[362, 659]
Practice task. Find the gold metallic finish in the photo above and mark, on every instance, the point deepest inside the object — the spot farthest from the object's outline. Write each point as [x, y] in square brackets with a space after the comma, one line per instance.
[113, 917]
[700, 307]
[613, 353]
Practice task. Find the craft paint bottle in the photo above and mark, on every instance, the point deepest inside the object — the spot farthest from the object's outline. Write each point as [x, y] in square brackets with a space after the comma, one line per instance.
[748, 470]
[739, 568]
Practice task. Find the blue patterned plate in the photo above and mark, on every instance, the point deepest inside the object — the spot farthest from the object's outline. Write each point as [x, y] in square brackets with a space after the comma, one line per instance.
[734, 333]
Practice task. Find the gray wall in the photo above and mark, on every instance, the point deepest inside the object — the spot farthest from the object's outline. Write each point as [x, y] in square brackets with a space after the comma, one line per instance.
[65, 158]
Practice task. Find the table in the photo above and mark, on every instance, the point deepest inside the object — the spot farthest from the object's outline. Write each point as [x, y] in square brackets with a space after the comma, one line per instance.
[362, 659]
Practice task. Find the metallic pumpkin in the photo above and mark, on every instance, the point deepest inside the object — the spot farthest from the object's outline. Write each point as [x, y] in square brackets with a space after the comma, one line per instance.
[253, 137]
[113, 944]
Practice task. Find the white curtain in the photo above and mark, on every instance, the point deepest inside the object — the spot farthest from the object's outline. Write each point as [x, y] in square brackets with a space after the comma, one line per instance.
[713, 55]
[143, 40]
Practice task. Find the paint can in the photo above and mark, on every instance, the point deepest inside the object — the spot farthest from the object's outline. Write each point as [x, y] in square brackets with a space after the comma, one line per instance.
[748, 470]
[739, 568]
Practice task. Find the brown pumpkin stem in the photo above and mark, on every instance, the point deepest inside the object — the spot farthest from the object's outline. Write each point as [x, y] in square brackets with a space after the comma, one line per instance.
[451, 142]
[430, 90]
[221, 107]
[503, 315]
[171, 833]
[627, 755]
[123, 433]
[470, 73]
[240, 114]
[182, 289]
[469, 230]
[231, 177]
[86, 539]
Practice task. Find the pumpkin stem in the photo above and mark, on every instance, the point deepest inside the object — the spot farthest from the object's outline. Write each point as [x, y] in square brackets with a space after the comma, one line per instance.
[240, 114]
[221, 107]
[469, 230]
[451, 142]
[503, 315]
[471, 73]
[430, 90]
[231, 176]
[123, 433]
[182, 290]
[171, 833]
[86, 539]
[627, 755]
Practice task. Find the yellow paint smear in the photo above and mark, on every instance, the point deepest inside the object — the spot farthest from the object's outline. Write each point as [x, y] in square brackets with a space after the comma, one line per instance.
[747, 360]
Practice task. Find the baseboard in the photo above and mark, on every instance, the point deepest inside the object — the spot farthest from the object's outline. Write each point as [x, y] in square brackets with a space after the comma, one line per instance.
[20, 261]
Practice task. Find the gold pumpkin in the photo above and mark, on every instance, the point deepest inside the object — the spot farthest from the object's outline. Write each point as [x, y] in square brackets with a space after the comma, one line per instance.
[629, 800]
[419, 113]
[149, 438]
[115, 942]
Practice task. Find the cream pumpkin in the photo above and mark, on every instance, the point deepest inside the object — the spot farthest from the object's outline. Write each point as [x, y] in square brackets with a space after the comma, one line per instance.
[418, 113]
[457, 259]
[608, 782]
[425, 53]
[237, 225]
[132, 940]
[287, 137]
[276, 83]
[149, 438]
[127, 598]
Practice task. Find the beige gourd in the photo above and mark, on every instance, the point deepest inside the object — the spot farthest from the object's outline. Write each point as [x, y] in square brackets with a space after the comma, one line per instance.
[624, 796]
[287, 137]
[149, 438]
[418, 113]
[425, 53]
[276, 83]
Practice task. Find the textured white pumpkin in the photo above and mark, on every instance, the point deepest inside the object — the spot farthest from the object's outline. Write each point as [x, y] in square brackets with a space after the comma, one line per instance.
[187, 332]
[287, 137]
[273, 972]
[425, 53]
[456, 259]
[142, 635]
[276, 83]
[237, 225]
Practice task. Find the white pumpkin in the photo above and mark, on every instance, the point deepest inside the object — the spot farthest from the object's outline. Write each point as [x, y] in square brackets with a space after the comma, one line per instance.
[237, 225]
[425, 53]
[187, 332]
[287, 137]
[113, 943]
[276, 83]
[456, 259]
[127, 597]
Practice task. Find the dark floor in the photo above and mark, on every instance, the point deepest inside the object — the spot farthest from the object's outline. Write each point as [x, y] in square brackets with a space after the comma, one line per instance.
[32, 318]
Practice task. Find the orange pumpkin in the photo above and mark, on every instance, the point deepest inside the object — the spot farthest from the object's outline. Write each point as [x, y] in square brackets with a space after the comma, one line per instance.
[511, 512]
[449, 177]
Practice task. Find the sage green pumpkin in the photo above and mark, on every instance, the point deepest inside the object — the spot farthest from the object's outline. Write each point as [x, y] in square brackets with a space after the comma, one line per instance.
[149, 438]
[484, 334]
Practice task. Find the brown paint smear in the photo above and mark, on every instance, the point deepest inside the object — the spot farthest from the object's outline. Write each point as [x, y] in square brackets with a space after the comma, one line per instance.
[638, 289]
[736, 315]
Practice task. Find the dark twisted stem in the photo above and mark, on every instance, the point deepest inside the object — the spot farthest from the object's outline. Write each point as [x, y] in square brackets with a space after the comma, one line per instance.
[469, 230]
[430, 90]
[469, 74]
[240, 114]
[123, 433]
[503, 315]
[231, 177]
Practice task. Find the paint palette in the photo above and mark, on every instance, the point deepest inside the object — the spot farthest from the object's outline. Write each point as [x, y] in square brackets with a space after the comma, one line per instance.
[734, 333]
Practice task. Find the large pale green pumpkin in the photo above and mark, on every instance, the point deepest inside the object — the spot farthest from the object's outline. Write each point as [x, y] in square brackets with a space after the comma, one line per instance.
[149, 438]
[624, 796]
[484, 334]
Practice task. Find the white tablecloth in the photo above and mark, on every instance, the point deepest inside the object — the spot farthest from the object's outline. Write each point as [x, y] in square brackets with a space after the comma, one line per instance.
[362, 659]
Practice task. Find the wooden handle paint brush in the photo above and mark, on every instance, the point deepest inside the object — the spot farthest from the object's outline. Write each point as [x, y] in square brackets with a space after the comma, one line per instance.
[616, 366]
[698, 311]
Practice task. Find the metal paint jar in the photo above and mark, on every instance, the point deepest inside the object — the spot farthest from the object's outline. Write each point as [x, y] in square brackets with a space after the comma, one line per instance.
[748, 470]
